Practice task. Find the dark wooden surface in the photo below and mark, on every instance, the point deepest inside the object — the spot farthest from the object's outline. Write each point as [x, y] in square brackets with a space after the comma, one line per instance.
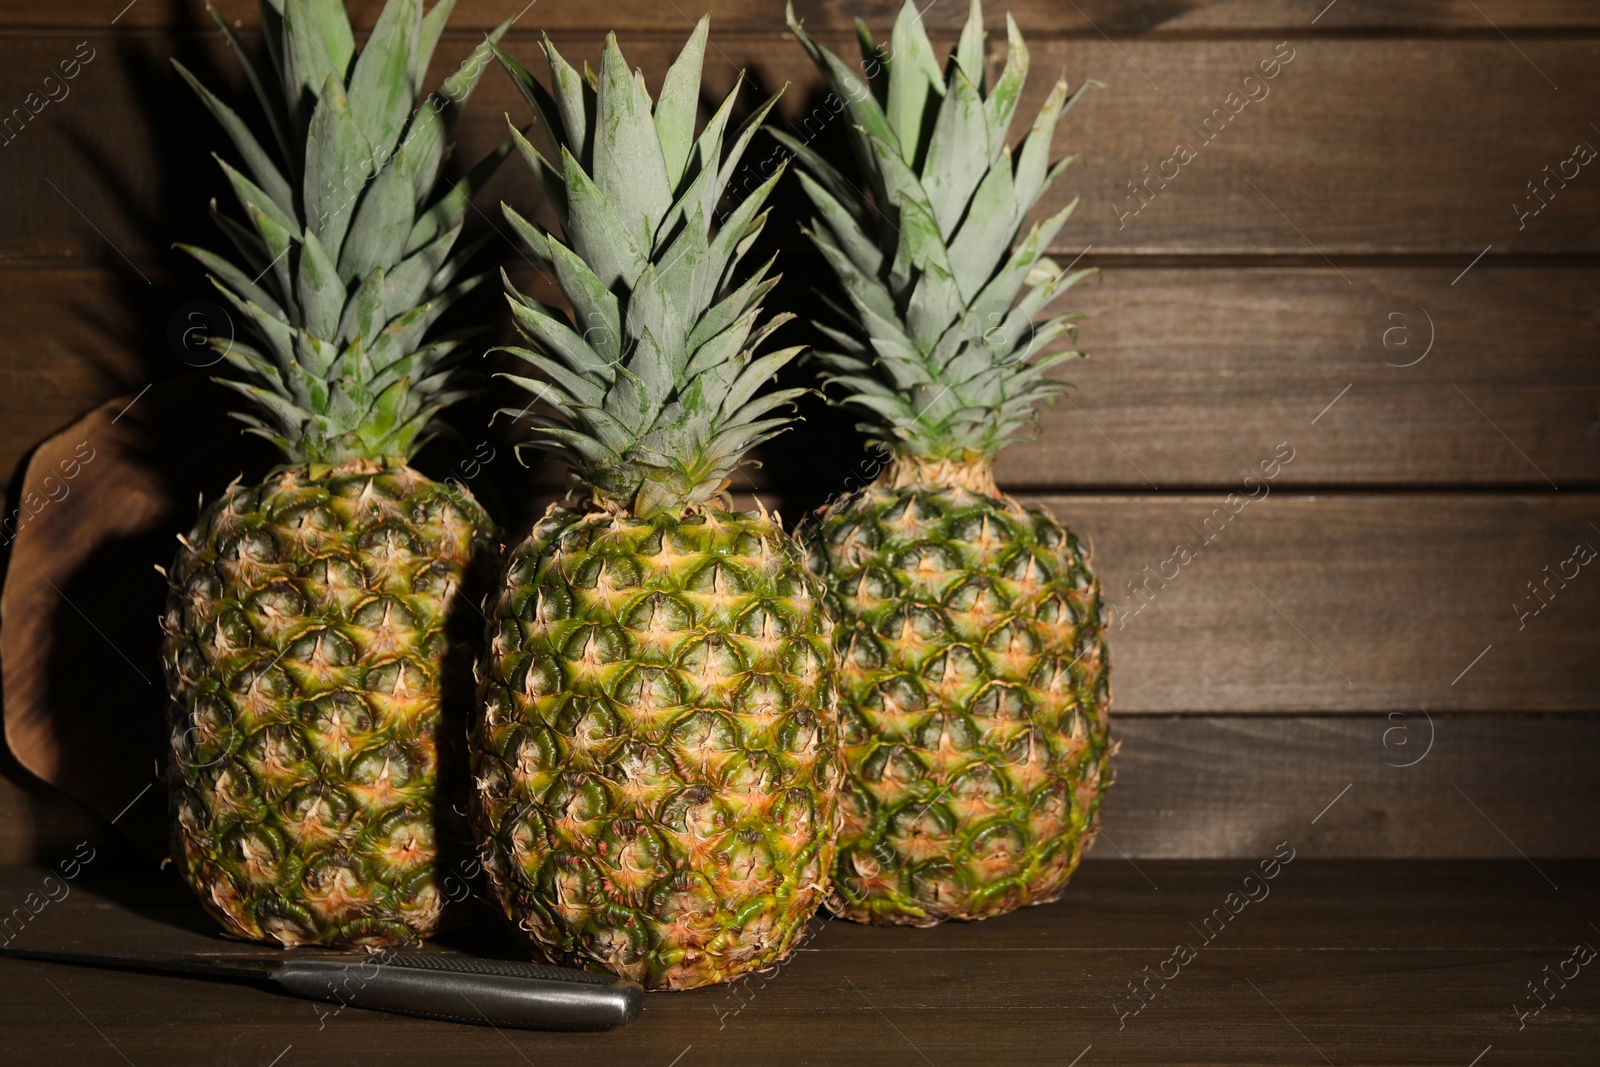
[1044, 17]
[1192, 373]
[1357, 149]
[1339, 962]
[1395, 785]
[1272, 293]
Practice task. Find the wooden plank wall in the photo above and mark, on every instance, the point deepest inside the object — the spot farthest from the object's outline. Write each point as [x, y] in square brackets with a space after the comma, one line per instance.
[1380, 273]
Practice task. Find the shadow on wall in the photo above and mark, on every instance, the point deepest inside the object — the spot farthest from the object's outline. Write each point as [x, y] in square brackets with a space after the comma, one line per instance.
[101, 503]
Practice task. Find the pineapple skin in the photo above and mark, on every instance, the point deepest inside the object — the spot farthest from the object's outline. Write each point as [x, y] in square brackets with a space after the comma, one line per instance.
[974, 699]
[320, 673]
[657, 762]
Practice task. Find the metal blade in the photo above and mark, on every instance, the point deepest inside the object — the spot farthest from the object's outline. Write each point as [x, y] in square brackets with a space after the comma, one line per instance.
[217, 967]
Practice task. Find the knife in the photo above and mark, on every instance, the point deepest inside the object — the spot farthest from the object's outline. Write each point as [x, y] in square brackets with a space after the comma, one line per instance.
[463, 989]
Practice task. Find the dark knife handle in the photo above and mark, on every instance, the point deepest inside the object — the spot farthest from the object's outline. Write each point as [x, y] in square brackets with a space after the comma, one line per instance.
[465, 989]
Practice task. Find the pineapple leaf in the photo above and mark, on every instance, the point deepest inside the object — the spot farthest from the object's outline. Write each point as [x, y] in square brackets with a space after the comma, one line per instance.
[577, 106]
[969, 52]
[271, 102]
[987, 233]
[447, 212]
[1001, 103]
[921, 243]
[254, 199]
[333, 30]
[537, 96]
[277, 335]
[580, 389]
[599, 317]
[428, 33]
[414, 276]
[247, 359]
[739, 226]
[279, 242]
[320, 289]
[628, 169]
[364, 314]
[723, 347]
[825, 173]
[957, 159]
[705, 187]
[267, 175]
[538, 242]
[652, 369]
[875, 62]
[423, 146]
[843, 227]
[914, 82]
[307, 63]
[543, 327]
[596, 232]
[381, 92]
[680, 96]
[287, 415]
[754, 376]
[1033, 159]
[235, 279]
[338, 164]
[549, 178]
[252, 252]
[726, 312]
[381, 226]
[865, 291]
[741, 140]
[864, 107]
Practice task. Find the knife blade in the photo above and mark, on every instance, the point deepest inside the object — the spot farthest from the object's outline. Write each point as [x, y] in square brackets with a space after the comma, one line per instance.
[464, 989]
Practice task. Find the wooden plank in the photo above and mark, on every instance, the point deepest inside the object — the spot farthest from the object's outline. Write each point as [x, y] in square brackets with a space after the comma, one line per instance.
[1192, 373]
[1231, 786]
[1398, 378]
[1035, 16]
[1400, 785]
[1346, 602]
[1310, 169]
[1326, 959]
[1409, 596]
[38, 824]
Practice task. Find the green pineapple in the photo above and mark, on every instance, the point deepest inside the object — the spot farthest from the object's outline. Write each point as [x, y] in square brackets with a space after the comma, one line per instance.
[972, 661]
[657, 765]
[313, 646]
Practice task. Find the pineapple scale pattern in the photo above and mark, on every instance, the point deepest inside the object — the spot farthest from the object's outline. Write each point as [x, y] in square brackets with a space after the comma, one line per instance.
[974, 702]
[314, 676]
[658, 761]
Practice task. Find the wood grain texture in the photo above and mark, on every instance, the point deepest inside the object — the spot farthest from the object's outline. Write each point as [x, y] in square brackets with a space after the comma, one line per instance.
[1398, 785]
[1356, 147]
[944, 17]
[1393, 963]
[1191, 373]
[1345, 602]
[103, 503]
[39, 824]
[1407, 784]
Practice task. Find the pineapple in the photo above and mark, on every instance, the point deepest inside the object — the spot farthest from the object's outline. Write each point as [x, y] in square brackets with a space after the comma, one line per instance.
[657, 764]
[313, 645]
[972, 659]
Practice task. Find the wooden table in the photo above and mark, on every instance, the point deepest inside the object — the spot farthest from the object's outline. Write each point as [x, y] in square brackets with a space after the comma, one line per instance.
[1391, 962]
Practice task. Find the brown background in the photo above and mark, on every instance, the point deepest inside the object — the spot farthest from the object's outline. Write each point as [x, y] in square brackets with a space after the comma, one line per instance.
[1335, 628]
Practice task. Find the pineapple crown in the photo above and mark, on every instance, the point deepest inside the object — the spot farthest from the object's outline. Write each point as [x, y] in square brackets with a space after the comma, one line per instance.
[345, 263]
[938, 350]
[654, 381]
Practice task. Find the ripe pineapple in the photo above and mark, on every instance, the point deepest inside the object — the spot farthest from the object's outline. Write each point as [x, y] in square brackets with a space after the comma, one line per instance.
[312, 644]
[972, 659]
[657, 765]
